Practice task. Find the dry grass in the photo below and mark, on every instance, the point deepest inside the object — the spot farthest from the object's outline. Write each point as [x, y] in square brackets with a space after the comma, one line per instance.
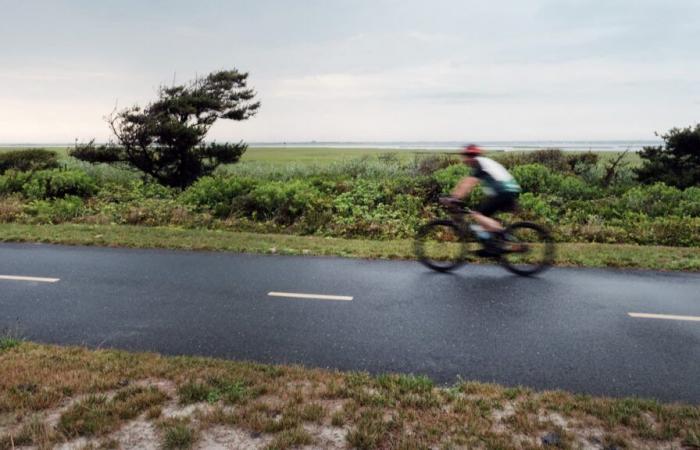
[107, 399]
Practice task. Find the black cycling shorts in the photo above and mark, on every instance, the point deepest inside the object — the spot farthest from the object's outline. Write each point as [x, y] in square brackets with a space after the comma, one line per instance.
[500, 202]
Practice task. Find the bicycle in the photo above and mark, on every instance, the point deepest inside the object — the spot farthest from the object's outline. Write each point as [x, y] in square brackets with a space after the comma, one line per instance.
[524, 248]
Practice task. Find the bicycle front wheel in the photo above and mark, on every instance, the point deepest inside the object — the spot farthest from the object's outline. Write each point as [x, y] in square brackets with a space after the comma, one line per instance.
[441, 245]
[528, 249]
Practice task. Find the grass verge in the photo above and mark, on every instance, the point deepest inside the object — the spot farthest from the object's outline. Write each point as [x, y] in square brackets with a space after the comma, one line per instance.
[52, 395]
[580, 255]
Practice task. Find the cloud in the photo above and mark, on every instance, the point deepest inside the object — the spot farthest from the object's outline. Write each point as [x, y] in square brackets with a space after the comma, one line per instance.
[57, 75]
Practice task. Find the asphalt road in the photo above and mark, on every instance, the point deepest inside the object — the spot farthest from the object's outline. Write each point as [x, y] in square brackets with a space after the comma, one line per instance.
[568, 328]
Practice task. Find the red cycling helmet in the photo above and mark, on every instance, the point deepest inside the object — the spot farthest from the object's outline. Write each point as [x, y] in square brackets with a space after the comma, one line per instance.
[471, 150]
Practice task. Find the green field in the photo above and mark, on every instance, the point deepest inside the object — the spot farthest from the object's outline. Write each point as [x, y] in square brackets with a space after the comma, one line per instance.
[327, 155]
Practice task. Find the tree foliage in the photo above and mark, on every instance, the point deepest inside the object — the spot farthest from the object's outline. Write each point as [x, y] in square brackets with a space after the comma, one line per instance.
[676, 163]
[165, 139]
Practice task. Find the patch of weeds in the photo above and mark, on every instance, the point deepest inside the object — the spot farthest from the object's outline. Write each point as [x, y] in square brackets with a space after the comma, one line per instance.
[475, 408]
[619, 412]
[262, 418]
[230, 391]
[154, 412]
[409, 442]
[417, 401]
[269, 371]
[358, 379]
[512, 393]
[295, 437]
[529, 405]
[10, 441]
[129, 403]
[484, 407]
[97, 415]
[482, 389]
[692, 438]
[88, 417]
[522, 422]
[177, 434]
[558, 438]
[30, 396]
[212, 391]
[337, 419]
[365, 397]
[333, 390]
[35, 432]
[614, 441]
[192, 392]
[404, 384]
[217, 416]
[313, 412]
[7, 342]
[408, 390]
[369, 432]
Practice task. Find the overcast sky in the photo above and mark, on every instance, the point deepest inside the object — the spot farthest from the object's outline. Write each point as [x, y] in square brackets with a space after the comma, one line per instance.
[360, 70]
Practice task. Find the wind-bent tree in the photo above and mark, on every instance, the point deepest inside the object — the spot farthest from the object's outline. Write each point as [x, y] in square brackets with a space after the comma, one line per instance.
[165, 139]
[677, 163]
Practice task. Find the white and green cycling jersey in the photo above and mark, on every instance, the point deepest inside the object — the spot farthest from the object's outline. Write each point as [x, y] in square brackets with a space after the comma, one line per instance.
[495, 178]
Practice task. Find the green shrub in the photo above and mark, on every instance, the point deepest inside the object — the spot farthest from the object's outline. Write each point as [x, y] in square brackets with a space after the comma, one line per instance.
[537, 178]
[56, 183]
[28, 160]
[12, 181]
[427, 165]
[554, 159]
[448, 177]
[690, 202]
[280, 201]
[655, 200]
[581, 163]
[536, 207]
[55, 211]
[373, 208]
[217, 193]
[574, 188]
[133, 191]
[677, 231]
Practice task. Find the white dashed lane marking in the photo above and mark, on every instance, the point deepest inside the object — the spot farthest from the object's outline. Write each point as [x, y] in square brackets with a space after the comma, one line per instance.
[342, 298]
[23, 278]
[664, 317]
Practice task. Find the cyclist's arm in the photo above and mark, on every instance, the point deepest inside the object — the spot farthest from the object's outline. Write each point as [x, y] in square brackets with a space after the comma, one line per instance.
[464, 187]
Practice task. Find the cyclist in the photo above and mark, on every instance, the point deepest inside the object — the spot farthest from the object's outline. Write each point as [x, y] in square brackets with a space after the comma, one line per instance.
[501, 191]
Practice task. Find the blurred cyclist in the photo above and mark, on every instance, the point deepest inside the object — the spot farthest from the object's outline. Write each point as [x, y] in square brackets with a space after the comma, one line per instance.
[501, 191]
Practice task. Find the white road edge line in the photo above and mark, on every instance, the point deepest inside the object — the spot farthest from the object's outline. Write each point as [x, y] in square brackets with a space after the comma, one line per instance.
[22, 278]
[311, 296]
[664, 316]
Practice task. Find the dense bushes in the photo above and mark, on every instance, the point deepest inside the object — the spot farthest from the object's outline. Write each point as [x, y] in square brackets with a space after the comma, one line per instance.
[553, 159]
[360, 198]
[46, 184]
[28, 160]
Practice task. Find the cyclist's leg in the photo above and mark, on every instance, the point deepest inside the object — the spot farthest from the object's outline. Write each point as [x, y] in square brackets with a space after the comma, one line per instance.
[489, 223]
[482, 214]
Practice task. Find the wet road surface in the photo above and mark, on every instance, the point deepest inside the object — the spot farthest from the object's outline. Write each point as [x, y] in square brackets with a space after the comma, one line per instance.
[584, 330]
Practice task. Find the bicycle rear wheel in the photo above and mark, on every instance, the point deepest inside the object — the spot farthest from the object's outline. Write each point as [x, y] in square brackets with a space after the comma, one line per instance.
[528, 249]
[441, 245]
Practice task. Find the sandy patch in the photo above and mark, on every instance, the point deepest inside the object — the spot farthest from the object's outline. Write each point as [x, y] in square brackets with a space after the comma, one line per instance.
[327, 437]
[220, 438]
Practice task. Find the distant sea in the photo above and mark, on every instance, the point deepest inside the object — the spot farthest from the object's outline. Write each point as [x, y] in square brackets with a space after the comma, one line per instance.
[611, 146]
